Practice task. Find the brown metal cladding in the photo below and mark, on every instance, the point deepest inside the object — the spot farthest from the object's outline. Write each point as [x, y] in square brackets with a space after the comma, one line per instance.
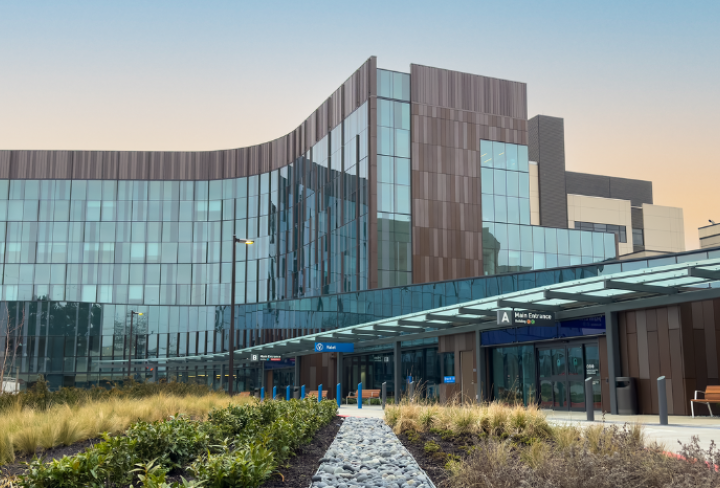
[202, 165]
[681, 343]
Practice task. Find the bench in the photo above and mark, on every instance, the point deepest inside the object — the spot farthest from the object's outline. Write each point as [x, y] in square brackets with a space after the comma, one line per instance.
[365, 394]
[710, 395]
[314, 394]
[244, 394]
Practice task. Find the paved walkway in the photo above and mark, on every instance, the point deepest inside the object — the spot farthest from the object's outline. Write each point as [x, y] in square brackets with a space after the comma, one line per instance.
[679, 429]
[368, 411]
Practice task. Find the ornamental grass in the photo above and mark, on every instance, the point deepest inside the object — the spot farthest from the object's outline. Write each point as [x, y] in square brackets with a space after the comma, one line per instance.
[27, 431]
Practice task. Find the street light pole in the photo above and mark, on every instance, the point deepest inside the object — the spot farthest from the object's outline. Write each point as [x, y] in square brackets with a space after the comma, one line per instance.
[231, 345]
[132, 314]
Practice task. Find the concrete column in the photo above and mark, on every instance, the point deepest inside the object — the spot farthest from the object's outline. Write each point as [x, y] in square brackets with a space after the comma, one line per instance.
[297, 370]
[397, 357]
[613, 356]
[479, 368]
[339, 368]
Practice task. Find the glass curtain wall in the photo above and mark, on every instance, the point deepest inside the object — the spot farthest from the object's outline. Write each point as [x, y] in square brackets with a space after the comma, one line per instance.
[393, 179]
[510, 243]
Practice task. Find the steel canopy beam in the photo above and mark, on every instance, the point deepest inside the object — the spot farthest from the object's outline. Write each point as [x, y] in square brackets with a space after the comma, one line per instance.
[451, 318]
[476, 311]
[393, 328]
[576, 297]
[412, 323]
[639, 287]
[708, 274]
[376, 332]
[528, 306]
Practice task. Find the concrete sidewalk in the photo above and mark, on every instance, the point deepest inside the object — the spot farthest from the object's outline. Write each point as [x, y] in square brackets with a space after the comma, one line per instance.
[367, 411]
[680, 428]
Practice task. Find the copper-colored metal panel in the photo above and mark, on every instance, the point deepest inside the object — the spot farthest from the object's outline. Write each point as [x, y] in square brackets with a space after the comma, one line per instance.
[633, 362]
[664, 343]
[88, 165]
[644, 396]
[697, 315]
[630, 322]
[651, 320]
[688, 340]
[700, 357]
[642, 340]
[711, 351]
[654, 359]
[133, 165]
[5, 164]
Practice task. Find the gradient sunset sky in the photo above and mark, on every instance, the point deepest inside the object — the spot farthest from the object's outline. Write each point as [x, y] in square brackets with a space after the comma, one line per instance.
[638, 83]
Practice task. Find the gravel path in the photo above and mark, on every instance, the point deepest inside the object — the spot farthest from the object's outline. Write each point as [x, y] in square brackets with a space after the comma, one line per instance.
[367, 454]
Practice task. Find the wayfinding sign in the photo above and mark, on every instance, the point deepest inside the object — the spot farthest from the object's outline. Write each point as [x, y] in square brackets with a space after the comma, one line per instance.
[525, 317]
[334, 347]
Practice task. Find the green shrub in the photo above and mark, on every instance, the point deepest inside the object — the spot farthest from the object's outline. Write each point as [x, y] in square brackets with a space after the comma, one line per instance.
[247, 466]
[431, 447]
[174, 443]
[237, 446]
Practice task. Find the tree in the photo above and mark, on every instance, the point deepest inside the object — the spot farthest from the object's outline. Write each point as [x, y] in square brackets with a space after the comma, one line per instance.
[11, 341]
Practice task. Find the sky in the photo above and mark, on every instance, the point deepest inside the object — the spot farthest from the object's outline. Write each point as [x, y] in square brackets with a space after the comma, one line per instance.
[637, 83]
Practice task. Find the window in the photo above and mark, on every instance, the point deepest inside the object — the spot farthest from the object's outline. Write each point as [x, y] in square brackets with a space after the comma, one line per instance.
[619, 230]
[638, 237]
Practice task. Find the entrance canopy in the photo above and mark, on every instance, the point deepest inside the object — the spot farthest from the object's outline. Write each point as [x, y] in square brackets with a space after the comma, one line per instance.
[642, 288]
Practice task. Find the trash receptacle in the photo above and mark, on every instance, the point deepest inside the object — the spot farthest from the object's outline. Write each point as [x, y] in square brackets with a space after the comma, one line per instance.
[626, 395]
[296, 392]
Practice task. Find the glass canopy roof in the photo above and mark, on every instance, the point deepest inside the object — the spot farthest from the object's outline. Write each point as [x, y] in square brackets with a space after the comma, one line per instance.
[642, 288]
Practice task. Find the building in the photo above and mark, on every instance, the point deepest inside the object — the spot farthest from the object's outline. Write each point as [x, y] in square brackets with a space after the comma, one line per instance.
[709, 235]
[402, 192]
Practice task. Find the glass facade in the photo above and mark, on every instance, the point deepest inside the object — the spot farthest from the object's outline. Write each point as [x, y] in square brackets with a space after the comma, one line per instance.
[510, 243]
[74, 342]
[393, 179]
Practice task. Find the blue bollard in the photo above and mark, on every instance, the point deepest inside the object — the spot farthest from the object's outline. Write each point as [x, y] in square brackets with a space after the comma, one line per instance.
[359, 395]
[338, 393]
[302, 392]
[262, 394]
[287, 393]
[274, 392]
[319, 393]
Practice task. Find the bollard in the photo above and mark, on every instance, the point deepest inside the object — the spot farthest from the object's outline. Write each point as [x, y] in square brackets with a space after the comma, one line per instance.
[319, 392]
[287, 393]
[384, 394]
[274, 392]
[359, 399]
[589, 400]
[662, 400]
[262, 394]
[302, 392]
[338, 394]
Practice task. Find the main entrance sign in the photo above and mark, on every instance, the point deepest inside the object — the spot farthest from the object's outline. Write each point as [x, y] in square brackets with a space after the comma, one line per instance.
[525, 317]
[334, 347]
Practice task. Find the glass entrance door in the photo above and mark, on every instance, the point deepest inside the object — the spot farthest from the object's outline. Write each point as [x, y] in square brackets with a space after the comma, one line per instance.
[552, 370]
[562, 370]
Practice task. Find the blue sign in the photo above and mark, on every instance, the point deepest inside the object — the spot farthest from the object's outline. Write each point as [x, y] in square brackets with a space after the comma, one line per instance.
[449, 379]
[334, 347]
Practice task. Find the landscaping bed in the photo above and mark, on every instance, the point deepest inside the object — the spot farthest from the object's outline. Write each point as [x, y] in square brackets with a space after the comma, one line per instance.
[468, 446]
[239, 445]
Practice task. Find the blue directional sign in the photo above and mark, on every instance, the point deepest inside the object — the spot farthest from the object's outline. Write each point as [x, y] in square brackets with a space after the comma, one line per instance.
[449, 379]
[334, 347]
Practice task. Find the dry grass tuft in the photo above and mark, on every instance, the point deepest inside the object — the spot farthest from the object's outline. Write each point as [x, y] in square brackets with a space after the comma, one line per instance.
[26, 430]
